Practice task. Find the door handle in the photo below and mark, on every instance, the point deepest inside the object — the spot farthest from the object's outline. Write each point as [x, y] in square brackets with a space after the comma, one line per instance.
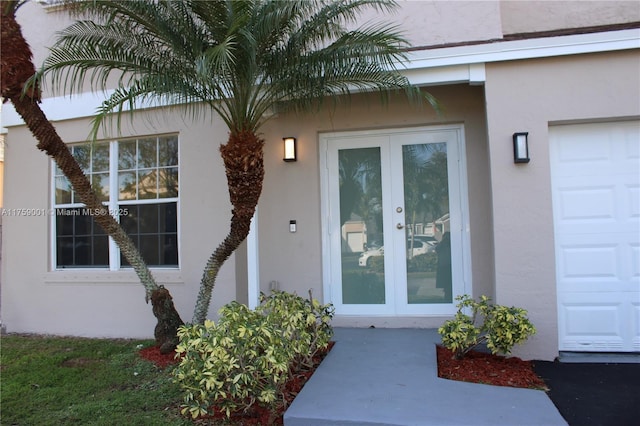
[399, 226]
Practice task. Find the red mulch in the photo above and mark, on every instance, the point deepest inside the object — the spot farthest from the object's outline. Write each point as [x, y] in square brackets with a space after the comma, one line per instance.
[257, 415]
[486, 368]
[152, 353]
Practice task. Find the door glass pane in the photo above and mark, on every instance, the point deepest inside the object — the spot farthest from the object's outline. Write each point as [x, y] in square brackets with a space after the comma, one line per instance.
[428, 244]
[362, 251]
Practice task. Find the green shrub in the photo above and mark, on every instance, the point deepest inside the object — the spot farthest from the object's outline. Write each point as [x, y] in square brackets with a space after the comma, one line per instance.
[376, 264]
[501, 327]
[362, 287]
[427, 262]
[248, 355]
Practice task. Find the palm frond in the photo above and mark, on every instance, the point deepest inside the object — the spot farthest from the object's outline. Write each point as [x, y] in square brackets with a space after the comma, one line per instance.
[239, 57]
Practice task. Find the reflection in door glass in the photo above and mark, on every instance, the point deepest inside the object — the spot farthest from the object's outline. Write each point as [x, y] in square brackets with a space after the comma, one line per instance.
[428, 243]
[362, 251]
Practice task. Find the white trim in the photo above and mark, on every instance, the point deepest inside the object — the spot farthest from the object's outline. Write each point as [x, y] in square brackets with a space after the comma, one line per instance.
[253, 264]
[114, 189]
[424, 67]
[525, 49]
[113, 205]
[457, 177]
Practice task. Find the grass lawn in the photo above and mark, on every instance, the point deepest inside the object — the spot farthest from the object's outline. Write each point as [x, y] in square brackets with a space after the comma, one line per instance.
[49, 380]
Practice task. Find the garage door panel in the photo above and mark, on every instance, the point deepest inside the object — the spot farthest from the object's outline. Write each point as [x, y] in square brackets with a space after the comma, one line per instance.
[630, 137]
[633, 198]
[574, 151]
[592, 262]
[596, 200]
[596, 149]
[583, 265]
[587, 204]
[634, 265]
[589, 326]
[603, 207]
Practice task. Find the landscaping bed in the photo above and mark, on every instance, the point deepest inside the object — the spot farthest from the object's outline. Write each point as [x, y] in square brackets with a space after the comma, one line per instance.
[488, 369]
[257, 415]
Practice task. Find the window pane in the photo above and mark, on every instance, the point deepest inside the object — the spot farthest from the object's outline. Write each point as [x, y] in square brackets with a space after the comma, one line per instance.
[82, 223]
[129, 222]
[168, 151]
[64, 223]
[81, 153]
[146, 169]
[169, 250]
[75, 241]
[127, 185]
[63, 190]
[64, 251]
[426, 197]
[127, 155]
[82, 251]
[147, 153]
[149, 249]
[168, 185]
[100, 250]
[168, 217]
[148, 220]
[148, 226]
[363, 276]
[147, 184]
[100, 184]
[100, 158]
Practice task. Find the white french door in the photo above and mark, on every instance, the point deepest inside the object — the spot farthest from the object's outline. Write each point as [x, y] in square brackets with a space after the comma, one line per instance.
[395, 238]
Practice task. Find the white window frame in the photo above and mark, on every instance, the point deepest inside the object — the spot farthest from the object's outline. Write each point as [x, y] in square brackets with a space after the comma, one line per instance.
[113, 205]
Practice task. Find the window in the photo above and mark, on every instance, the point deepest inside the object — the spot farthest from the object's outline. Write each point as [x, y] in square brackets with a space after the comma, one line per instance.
[144, 175]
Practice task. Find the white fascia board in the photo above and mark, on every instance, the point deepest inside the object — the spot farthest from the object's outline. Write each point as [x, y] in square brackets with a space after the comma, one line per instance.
[60, 108]
[463, 73]
[459, 64]
[525, 49]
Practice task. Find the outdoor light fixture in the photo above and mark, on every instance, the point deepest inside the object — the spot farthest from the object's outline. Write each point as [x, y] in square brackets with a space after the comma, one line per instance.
[289, 149]
[521, 147]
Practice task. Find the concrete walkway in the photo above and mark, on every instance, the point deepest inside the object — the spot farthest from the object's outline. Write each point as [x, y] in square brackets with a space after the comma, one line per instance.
[389, 377]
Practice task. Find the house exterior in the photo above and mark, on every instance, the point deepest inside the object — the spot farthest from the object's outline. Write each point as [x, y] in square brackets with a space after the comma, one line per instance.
[558, 235]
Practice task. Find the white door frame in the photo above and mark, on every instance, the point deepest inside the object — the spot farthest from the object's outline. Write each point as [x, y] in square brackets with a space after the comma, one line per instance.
[457, 166]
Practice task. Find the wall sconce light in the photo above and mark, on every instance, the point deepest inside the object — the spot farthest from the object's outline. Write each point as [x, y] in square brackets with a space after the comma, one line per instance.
[521, 147]
[289, 149]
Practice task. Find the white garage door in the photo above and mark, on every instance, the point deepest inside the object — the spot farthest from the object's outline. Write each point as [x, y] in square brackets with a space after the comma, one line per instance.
[596, 200]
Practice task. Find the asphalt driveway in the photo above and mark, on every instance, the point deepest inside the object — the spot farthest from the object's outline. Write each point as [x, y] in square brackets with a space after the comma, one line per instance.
[594, 393]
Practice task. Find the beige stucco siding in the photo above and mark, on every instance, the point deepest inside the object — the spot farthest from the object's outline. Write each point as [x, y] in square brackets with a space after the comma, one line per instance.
[427, 23]
[103, 303]
[292, 190]
[530, 96]
[532, 16]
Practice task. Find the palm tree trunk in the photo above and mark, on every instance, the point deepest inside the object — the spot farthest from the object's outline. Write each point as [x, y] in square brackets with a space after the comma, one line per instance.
[16, 69]
[243, 158]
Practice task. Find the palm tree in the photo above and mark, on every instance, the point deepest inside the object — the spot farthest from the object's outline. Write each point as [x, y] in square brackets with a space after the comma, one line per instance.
[16, 68]
[241, 59]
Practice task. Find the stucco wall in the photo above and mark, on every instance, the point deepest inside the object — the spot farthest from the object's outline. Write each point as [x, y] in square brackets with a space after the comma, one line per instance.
[292, 190]
[531, 16]
[427, 23]
[111, 303]
[103, 303]
[531, 96]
